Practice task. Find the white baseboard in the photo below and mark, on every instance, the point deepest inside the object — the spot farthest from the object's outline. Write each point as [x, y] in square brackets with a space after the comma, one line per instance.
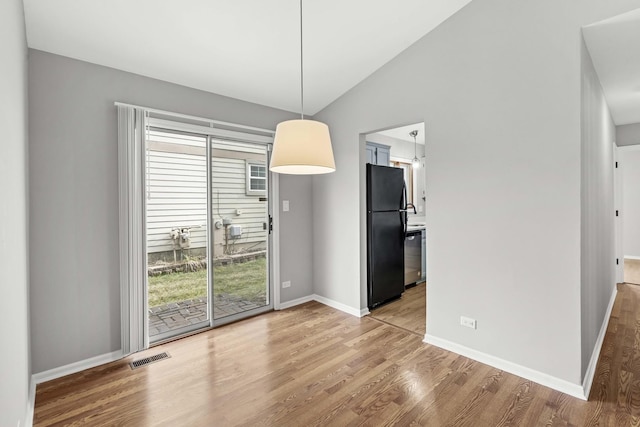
[72, 368]
[31, 403]
[340, 306]
[294, 302]
[593, 363]
[326, 301]
[546, 380]
[632, 257]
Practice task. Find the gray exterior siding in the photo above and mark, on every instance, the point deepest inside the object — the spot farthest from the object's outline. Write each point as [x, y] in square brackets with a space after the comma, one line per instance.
[176, 192]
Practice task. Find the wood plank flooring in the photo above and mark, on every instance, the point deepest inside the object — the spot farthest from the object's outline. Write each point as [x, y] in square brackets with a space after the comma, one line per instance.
[315, 366]
[409, 312]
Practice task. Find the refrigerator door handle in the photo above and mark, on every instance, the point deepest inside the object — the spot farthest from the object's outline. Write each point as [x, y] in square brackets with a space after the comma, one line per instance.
[403, 201]
[403, 210]
[410, 206]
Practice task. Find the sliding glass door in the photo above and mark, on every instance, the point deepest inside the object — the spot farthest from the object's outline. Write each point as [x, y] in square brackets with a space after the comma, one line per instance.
[207, 230]
[176, 219]
[240, 232]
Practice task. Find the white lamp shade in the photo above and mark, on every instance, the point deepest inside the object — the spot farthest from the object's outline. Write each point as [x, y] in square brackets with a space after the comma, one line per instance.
[302, 147]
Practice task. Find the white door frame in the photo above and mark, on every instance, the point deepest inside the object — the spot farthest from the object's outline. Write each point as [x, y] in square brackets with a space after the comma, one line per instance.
[617, 205]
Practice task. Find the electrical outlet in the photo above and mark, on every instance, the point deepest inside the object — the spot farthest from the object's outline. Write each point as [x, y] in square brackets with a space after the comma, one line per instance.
[285, 206]
[468, 322]
[420, 209]
[286, 284]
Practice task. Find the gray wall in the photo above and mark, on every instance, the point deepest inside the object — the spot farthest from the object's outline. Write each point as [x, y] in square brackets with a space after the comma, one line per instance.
[628, 134]
[498, 87]
[597, 207]
[296, 229]
[14, 316]
[75, 308]
[630, 162]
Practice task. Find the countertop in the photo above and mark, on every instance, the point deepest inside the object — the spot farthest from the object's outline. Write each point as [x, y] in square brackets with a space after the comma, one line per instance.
[416, 226]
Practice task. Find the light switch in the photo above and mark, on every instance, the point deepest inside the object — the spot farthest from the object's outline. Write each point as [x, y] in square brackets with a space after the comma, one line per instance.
[285, 206]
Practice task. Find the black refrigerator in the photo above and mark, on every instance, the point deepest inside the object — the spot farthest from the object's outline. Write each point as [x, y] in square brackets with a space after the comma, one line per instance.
[386, 229]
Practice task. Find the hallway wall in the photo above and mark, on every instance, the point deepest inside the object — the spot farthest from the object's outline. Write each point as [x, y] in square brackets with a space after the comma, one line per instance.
[597, 262]
[498, 87]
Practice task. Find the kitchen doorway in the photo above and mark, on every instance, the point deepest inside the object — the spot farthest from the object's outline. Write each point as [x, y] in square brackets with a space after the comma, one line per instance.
[397, 154]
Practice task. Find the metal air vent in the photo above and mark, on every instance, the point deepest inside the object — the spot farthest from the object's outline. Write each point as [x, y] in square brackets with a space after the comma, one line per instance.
[148, 360]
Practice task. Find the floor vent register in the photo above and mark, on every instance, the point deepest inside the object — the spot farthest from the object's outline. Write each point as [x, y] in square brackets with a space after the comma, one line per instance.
[149, 360]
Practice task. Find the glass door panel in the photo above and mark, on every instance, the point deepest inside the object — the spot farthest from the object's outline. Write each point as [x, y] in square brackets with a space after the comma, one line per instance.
[176, 229]
[240, 228]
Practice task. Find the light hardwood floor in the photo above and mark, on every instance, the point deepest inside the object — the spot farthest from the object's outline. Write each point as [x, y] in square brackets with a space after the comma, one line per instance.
[409, 312]
[313, 365]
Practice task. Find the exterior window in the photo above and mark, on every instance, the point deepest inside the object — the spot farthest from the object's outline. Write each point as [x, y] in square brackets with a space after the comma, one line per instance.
[256, 179]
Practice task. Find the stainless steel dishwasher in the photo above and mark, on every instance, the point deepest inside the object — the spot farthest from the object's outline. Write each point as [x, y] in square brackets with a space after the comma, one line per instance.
[413, 257]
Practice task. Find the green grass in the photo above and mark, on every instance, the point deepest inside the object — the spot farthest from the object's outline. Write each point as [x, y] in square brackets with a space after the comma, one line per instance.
[246, 280]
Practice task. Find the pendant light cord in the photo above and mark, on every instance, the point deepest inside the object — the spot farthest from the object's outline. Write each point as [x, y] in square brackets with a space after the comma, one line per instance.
[301, 70]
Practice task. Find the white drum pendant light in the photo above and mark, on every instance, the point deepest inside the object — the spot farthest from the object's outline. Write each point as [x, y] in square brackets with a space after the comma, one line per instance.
[302, 147]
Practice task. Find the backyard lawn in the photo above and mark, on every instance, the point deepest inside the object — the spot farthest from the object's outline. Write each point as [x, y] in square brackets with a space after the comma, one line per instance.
[246, 280]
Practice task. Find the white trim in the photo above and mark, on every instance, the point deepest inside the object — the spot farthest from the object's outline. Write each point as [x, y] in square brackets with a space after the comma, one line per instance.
[209, 122]
[248, 177]
[31, 403]
[212, 131]
[617, 201]
[637, 258]
[340, 306]
[274, 181]
[634, 147]
[132, 230]
[75, 367]
[400, 159]
[593, 363]
[326, 301]
[294, 302]
[546, 380]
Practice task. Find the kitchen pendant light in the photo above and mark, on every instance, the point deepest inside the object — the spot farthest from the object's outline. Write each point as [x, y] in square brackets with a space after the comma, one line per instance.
[302, 147]
[415, 162]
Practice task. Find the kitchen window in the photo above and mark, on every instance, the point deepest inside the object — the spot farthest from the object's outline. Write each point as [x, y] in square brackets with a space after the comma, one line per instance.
[256, 179]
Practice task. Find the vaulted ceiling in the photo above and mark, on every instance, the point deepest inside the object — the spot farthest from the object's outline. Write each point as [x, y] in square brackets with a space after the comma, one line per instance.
[614, 45]
[247, 49]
